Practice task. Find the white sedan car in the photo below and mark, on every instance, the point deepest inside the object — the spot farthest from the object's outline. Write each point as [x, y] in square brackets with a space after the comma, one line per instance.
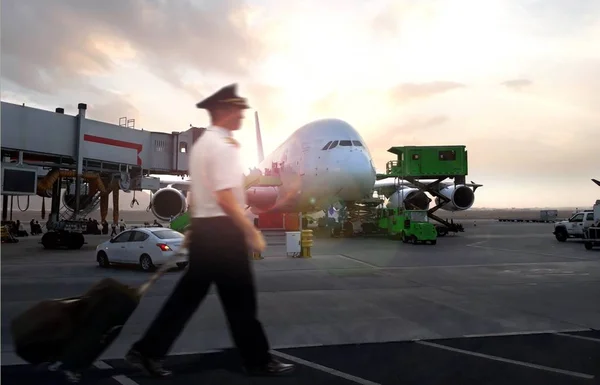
[144, 246]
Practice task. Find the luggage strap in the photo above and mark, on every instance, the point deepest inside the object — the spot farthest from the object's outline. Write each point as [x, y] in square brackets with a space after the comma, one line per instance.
[169, 264]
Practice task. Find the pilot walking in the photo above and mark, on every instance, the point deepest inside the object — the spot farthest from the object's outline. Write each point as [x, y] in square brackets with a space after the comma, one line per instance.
[219, 242]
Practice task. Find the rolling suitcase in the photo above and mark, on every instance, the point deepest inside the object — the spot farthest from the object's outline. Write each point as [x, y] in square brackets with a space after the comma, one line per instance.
[70, 334]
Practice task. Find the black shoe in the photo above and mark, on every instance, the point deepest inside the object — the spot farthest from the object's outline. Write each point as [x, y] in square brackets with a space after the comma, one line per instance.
[151, 366]
[272, 368]
[72, 377]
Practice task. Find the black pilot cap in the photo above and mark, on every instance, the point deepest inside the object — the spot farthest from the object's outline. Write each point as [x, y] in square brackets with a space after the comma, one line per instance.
[225, 96]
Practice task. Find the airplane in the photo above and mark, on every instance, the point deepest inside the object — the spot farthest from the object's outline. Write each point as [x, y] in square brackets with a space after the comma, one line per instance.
[321, 164]
[596, 181]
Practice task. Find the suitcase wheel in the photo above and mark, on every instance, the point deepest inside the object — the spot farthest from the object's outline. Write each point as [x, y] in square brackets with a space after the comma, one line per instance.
[111, 334]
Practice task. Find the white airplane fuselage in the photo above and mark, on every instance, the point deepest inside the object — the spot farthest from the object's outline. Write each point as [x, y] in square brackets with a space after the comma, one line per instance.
[321, 163]
[314, 178]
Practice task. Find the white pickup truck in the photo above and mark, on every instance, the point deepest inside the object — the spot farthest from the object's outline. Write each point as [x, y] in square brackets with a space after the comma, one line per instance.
[574, 226]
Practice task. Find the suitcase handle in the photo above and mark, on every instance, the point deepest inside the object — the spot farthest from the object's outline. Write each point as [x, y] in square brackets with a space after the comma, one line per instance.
[171, 262]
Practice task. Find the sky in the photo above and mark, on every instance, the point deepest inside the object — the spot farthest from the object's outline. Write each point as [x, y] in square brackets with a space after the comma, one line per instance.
[516, 81]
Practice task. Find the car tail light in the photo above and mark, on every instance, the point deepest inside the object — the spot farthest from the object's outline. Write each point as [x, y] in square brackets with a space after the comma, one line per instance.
[163, 247]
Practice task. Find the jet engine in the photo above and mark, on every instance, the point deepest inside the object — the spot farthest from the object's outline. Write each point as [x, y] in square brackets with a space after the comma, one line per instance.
[415, 196]
[261, 198]
[168, 202]
[461, 198]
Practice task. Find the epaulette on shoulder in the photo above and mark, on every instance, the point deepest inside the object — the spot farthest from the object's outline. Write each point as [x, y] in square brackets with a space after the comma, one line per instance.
[230, 140]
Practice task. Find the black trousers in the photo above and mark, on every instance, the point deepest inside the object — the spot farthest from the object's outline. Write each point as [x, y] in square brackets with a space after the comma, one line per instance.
[218, 254]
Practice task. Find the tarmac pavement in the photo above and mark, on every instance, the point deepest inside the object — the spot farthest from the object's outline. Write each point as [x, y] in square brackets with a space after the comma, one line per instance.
[366, 311]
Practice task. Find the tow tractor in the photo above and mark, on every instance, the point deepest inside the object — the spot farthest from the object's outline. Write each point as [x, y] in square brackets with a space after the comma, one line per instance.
[411, 226]
[436, 163]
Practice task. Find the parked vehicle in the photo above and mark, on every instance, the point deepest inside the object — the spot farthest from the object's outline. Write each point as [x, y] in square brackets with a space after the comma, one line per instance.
[147, 247]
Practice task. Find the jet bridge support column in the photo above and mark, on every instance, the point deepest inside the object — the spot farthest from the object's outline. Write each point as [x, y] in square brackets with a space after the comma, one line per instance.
[55, 200]
[4, 208]
[79, 151]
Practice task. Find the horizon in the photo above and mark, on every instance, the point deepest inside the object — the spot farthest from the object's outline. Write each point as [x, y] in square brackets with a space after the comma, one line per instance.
[125, 199]
[517, 84]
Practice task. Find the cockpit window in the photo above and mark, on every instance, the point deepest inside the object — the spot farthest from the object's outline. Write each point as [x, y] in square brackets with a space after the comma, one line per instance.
[344, 143]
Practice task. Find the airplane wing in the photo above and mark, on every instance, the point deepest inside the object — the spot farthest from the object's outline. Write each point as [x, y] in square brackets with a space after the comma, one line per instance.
[251, 180]
[184, 185]
[386, 184]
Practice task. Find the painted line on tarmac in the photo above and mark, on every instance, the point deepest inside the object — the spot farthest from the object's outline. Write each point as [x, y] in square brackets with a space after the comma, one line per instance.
[121, 379]
[429, 266]
[474, 245]
[325, 369]
[359, 261]
[584, 338]
[525, 333]
[508, 361]
[477, 243]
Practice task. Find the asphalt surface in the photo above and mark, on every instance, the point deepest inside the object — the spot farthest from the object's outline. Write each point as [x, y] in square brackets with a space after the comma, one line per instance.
[366, 301]
[562, 359]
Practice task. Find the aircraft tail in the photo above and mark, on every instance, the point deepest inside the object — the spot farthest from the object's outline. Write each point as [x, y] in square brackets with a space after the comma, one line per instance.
[596, 181]
[259, 144]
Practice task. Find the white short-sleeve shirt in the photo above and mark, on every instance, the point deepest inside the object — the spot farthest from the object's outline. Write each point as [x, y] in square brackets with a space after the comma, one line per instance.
[215, 164]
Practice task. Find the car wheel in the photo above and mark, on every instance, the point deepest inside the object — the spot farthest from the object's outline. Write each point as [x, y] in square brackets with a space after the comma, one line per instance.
[181, 265]
[102, 259]
[146, 263]
[561, 235]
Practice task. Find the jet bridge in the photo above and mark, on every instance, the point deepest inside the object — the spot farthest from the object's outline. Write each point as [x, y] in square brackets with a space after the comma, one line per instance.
[60, 147]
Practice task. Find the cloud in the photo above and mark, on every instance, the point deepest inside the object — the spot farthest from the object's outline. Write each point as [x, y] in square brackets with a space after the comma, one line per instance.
[453, 76]
[407, 91]
[517, 84]
[412, 130]
[66, 41]
[113, 109]
[389, 21]
[557, 18]
[103, 105]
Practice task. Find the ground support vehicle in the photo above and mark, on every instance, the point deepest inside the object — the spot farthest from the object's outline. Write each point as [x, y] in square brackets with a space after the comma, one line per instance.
[591, 237]
[412, 226]
[65, 233]
[434, 164]
[576, 226]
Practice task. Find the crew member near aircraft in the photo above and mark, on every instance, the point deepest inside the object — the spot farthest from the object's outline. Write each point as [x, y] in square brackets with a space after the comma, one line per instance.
[219, 243]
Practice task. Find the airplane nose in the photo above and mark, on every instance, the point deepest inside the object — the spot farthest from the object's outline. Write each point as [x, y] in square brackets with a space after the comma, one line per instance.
[358, 177]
